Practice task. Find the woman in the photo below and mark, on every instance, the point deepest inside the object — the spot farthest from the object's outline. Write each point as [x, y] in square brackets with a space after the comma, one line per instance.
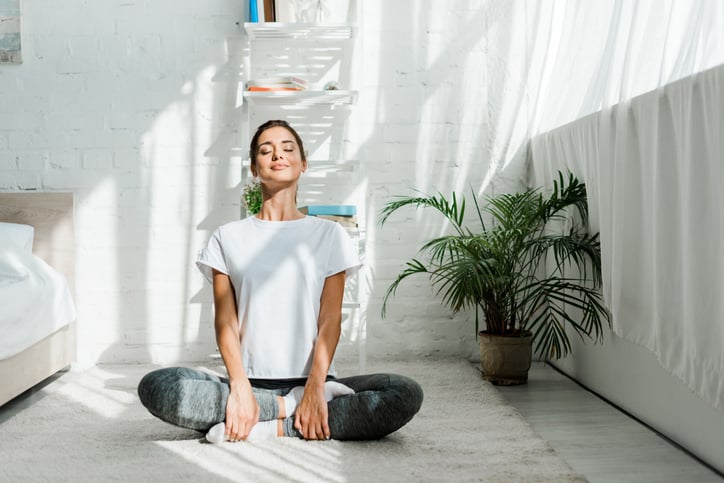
[278, 281]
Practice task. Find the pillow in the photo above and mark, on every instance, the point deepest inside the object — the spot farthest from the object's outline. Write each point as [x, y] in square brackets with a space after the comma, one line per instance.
[13, 266]
[16, 237]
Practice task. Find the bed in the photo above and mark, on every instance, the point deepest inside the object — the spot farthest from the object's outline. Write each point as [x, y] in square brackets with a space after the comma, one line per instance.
[37, 259]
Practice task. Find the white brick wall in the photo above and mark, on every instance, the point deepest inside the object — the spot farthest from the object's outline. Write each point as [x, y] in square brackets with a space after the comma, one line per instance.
[119, 103]
[422, 123]
[133, 107]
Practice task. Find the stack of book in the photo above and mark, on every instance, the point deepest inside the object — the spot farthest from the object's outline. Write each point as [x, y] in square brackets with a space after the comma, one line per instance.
[345, 215]
[282, 83]
[262, 10]
[333, 11]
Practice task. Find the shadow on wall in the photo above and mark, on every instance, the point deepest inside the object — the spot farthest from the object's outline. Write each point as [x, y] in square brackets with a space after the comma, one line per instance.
[200, 189]
[425, 91]
[175, 183]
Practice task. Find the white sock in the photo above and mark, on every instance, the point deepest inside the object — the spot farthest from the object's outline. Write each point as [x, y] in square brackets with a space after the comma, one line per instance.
[332, 389]
[216, 433]
[292, 399]
[261, 430]
[268, 429]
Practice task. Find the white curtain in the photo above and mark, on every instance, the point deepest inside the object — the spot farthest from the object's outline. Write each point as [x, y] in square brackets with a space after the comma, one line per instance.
[551, 62]
[629, 96]
[653, 167]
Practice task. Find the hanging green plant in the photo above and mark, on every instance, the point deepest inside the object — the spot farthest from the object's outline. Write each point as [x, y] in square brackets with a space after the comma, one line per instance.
[251, 196]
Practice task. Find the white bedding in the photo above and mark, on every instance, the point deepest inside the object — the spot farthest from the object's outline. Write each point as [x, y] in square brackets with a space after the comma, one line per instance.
[35, 299]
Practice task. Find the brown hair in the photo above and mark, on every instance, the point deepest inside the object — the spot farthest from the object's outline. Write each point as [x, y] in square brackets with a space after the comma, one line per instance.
[254, 145]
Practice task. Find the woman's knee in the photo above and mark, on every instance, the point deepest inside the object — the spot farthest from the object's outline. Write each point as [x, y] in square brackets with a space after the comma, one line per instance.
[400, 396]
[397, 390]
[383, 404]
[156, 386]
[149, 386]
[410, 394]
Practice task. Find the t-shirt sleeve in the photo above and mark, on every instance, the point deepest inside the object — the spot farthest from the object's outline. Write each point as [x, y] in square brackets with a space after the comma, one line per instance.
[212, 256]
[344, 255]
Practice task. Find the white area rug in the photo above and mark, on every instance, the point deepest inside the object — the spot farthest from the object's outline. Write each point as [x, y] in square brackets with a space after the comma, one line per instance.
[89, 426]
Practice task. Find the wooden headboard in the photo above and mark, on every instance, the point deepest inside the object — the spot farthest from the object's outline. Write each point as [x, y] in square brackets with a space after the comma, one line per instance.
[51, 214]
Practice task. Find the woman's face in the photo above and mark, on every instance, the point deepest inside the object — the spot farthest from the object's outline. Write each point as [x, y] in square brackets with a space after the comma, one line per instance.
[279, 160]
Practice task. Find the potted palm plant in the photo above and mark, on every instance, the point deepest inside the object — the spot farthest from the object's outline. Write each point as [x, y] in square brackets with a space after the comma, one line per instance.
[529, 279]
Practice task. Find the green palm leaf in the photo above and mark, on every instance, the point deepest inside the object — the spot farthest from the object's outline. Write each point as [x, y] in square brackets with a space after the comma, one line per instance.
[521, 273]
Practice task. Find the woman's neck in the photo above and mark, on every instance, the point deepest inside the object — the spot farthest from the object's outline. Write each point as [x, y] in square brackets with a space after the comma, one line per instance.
[279, 206]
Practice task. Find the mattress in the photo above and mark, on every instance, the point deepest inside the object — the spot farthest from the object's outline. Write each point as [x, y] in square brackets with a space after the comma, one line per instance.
[35, 299]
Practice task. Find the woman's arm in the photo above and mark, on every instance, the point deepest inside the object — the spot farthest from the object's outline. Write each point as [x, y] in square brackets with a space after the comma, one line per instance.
[311, 415]
[242, 410]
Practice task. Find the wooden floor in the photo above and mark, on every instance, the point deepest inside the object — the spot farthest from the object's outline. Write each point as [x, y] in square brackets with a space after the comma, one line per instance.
[595, 438]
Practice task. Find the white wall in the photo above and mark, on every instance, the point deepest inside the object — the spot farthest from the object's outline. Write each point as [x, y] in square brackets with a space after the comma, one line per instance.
[126, 104]
[134, 107]
[423, 122]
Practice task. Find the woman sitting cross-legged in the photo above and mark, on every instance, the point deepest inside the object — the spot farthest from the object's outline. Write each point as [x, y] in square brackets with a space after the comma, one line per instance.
[278, 281]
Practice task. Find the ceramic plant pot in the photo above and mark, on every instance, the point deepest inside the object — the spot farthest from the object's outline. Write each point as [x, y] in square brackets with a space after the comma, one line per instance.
[505, 360]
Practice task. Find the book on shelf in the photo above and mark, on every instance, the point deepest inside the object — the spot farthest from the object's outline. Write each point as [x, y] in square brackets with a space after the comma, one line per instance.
[269, 14]
[349, 223]
[285, 11]
[254, 11]
[345, 215]
[283, 83]
[261, 11]
[273, 88]
[329, 210]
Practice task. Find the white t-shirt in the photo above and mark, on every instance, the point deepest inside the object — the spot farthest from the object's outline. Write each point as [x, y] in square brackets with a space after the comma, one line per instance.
[278, 269]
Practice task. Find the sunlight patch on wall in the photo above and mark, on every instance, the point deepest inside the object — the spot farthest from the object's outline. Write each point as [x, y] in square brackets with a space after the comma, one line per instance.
[98, 302]
[176, 171]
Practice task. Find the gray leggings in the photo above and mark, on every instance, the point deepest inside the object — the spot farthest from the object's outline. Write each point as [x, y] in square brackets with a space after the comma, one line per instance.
[192, 399]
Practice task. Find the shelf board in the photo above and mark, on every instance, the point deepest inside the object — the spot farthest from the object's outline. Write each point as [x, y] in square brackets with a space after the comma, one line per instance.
[302, 98]
[297, 31]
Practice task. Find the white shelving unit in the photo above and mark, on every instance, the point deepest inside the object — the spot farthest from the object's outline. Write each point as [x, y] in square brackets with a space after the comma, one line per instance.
[296, 32]
[309, 51]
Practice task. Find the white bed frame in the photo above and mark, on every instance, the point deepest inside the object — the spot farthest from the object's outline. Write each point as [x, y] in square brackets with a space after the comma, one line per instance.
[51, 214]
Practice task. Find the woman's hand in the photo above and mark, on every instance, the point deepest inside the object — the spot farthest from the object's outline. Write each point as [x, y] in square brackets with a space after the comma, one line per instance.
[242, 411]
[311, 415]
